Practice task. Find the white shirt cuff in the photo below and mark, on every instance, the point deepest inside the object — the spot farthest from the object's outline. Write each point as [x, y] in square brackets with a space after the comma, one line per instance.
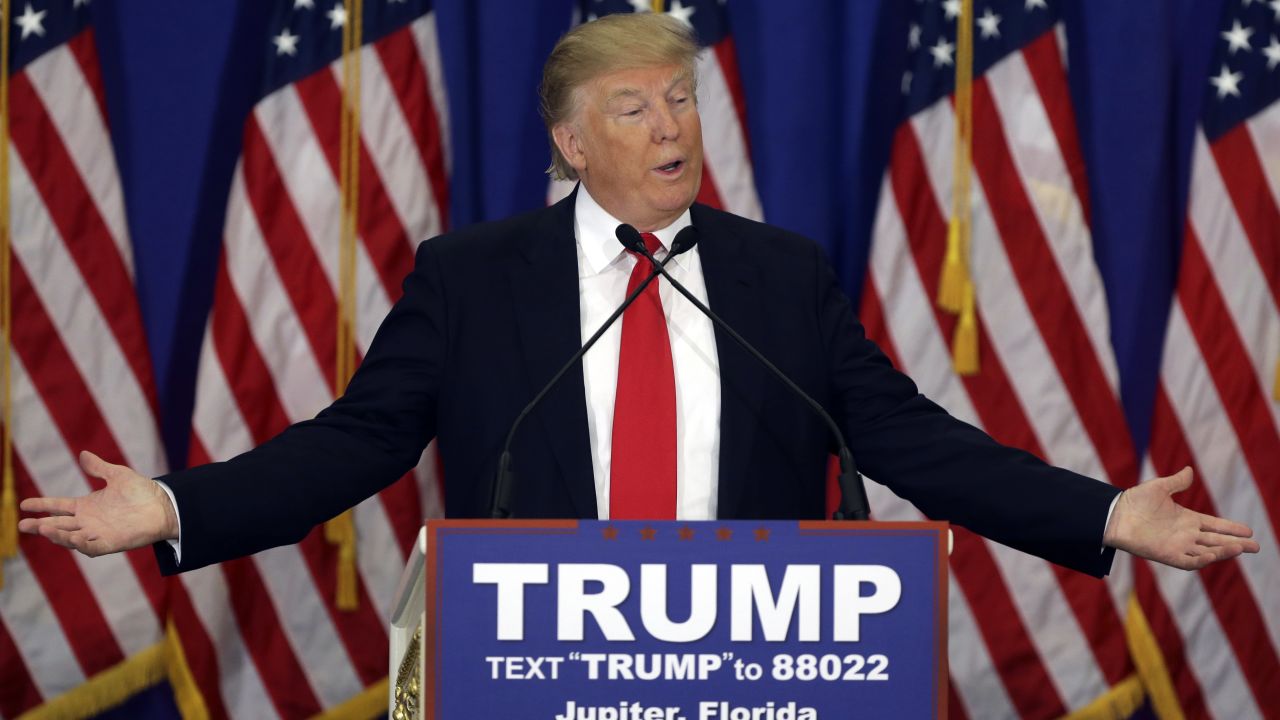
[1110, 511]
[177, 544]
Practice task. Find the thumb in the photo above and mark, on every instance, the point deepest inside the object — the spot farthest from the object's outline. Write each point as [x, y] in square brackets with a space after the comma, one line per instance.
[94, 466]
[1178, 481]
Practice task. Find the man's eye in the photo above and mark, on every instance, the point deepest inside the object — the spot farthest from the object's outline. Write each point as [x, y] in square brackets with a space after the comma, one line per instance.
[631, 113]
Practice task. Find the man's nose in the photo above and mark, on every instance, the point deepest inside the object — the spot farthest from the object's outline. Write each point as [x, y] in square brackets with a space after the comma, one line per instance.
[665, 126]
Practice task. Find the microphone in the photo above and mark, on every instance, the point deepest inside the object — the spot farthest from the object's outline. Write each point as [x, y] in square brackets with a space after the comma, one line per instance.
[500, 501]
[853, 495]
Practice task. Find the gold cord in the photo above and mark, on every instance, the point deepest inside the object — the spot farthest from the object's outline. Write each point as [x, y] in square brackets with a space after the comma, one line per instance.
[955, 287]
[8, 492]
[341, 530]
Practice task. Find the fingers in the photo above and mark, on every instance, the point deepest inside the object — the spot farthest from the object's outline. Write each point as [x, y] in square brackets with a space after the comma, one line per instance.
[1217, 540]
[73, 539]
[1211, 524]
[52, 506]
[34, 526]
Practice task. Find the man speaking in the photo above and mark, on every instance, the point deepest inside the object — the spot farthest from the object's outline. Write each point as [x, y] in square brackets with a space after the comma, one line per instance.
[665, 416]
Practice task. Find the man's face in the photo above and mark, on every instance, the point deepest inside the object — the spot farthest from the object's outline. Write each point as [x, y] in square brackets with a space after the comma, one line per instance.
[636, 142]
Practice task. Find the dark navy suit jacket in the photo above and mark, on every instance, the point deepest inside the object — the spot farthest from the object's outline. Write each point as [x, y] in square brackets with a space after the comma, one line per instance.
[488, 315]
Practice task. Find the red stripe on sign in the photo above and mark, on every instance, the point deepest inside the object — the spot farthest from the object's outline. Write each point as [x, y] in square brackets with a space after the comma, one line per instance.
[1168, 637]
[1044, 62]
[1228, 363]
[380, 228]
[68, 592]
[727, 56]
[404, 70]
[1233, 602]
[84, 48]
[707, 192]
[308, 287]
[1022, 670]
[1047, 295]
[81, 227]
[18, 692]
[1247, 185]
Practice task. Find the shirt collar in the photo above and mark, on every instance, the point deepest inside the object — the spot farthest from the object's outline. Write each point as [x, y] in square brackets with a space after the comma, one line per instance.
[595, 229]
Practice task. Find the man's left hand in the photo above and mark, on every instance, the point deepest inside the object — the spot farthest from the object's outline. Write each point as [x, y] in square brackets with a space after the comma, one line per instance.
[1147, 522]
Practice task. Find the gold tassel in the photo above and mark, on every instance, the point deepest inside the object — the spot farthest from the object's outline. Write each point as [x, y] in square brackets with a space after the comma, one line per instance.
[341, 530]
[955, 268]
[964, 345]
[955, 273]
[8, 518]
[347, 599]
[1275, 389]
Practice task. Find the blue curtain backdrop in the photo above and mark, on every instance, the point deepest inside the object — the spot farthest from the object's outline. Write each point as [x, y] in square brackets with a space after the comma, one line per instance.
[821, 80]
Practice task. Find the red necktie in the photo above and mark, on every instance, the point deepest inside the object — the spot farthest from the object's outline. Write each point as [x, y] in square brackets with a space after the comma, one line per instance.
[642, 483]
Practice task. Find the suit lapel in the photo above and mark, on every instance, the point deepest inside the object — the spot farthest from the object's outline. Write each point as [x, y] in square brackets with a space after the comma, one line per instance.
[544, 284]
[733, 293]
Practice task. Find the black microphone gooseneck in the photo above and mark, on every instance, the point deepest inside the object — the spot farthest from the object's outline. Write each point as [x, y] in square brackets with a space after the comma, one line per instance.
[500, 502]
[853, 495]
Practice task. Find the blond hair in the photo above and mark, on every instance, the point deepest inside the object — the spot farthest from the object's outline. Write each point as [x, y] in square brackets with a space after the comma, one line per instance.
[614, 42]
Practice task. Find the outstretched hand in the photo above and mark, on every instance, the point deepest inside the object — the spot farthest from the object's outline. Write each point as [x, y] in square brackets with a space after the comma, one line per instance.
[131, 511]
[1147, 522]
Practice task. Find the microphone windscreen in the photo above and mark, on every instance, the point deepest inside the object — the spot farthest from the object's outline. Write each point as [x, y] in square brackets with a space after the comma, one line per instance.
[629, 237]
[685, 240]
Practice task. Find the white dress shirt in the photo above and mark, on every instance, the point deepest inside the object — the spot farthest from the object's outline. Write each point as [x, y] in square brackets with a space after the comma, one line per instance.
[604, 269]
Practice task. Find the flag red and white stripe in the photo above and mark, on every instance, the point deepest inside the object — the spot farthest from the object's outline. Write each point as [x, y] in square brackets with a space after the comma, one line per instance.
[263, 635]
[1027, 638]
[1219, 629]
[82, 379]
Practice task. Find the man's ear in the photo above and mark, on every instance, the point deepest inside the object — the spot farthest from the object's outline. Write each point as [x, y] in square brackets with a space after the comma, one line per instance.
[569, 141]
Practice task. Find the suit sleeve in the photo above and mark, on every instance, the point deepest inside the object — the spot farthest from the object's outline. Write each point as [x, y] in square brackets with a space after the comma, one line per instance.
[947, 468]
[371, 436]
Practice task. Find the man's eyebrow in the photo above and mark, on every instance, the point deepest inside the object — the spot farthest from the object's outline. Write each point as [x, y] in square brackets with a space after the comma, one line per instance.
[627, 92]
[621, 93]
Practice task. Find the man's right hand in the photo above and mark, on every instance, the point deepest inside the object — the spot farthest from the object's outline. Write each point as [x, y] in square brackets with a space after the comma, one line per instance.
[131, 511]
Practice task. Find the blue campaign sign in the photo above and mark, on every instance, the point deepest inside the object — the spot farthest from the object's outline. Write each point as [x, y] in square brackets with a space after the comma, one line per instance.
[597, 620]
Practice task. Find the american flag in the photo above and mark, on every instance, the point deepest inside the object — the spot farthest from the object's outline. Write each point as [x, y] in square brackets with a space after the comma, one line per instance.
[728, 179]
[263, 636]
[1027, 639]
[81, 376]
[1218, 631]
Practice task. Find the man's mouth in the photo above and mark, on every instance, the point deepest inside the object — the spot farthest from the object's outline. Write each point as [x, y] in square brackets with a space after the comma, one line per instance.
[670, 168]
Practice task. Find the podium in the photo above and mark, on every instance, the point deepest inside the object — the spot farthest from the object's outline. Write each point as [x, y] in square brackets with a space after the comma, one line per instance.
[630, 620]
